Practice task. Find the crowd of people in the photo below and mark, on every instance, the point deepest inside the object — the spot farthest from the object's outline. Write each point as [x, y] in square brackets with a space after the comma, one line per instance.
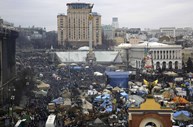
[76, 78]
[109, 106]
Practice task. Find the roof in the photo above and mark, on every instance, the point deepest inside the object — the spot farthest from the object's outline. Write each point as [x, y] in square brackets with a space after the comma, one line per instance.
[146, 44]
[152, 44]
[80, 56]
[84, 48]
[124, 45]
[51, 119]
[150, 104]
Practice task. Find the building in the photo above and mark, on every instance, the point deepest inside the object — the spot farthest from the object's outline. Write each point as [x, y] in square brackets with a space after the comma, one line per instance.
[73, 28]
[108, 32]
[8, 36]
[115, 22]
[32, 33]
[187, 53]
[164, 56]
[150, 113]
[169, 31]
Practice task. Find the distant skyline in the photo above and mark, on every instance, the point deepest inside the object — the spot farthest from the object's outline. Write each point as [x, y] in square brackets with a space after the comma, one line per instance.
[138, 13]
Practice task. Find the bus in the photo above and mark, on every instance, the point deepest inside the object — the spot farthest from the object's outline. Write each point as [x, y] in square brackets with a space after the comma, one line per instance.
[51, 121]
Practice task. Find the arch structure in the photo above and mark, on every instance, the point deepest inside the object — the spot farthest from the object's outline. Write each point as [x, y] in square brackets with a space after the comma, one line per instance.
[150, 122]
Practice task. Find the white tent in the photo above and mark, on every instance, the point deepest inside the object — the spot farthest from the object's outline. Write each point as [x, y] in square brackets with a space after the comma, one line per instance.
[43, 86]
[41, 92]
[98, 74]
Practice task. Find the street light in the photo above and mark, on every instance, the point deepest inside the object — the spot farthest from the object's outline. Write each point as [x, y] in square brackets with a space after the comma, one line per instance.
[12, 98]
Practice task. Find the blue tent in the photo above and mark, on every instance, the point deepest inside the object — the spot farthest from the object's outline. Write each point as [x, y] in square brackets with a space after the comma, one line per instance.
[102, 97]
[187, 83]
[117, 78]
[124, 95]
[77, 68]
[186, 113]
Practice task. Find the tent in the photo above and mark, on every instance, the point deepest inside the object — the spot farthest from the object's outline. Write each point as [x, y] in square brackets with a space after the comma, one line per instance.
[98, 74]
[134, 100]
[76, 67]
[43, 86]
[182, 117]
[116, 89]
[170, 73]
[106, 91]
[177, 113]
[66, 103]
[84, 48]
[124, 94]
[41, 92]
[87, 105]
[98, 121]
[117, 78]
[73, 64]
[59, 100]
[61, 65]
[180, 100]
[103, 97]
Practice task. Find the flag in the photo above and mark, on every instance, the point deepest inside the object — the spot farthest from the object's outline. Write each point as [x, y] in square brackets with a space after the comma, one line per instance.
[145, 82]
[155, 82]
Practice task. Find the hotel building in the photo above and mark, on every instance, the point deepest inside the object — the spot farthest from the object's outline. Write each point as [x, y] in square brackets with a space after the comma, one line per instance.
[73, 28]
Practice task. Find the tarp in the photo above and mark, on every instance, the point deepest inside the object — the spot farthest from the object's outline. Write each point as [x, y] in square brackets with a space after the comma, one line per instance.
[182, 117]
[59, 100]
[43, 86]
[87, 105]
[41, 92]
[98, 74]
[103, 97]
[117, 78]
[180, 100]
[124, 95]
[76, 67]
[186, 113]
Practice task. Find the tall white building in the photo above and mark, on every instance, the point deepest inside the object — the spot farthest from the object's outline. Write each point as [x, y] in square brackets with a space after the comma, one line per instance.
[115, 22]
[73, 28]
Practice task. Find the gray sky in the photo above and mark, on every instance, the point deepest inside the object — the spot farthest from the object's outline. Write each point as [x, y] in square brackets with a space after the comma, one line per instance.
[130, 13]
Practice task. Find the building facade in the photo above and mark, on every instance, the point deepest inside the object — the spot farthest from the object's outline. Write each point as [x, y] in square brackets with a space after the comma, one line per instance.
[169, 31]
[187, 53]
[163, 56]
[8, 37]
[73, 28]
[150, 113]
[108, 32]
[115, 22]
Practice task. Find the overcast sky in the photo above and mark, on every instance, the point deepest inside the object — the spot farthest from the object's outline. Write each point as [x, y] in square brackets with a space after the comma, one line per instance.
[130, 13]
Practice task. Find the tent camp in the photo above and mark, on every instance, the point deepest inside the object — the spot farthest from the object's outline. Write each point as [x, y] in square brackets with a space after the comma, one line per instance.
[117, 78]
[43, 86]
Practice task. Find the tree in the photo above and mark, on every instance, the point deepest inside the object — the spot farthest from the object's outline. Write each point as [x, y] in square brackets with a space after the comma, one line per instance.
[189, 65]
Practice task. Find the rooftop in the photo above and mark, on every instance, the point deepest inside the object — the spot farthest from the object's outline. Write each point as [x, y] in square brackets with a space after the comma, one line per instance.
[78, 5]
[150, 104]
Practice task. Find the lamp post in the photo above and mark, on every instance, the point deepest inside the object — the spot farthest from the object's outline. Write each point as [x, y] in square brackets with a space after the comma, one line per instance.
[12, 98]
